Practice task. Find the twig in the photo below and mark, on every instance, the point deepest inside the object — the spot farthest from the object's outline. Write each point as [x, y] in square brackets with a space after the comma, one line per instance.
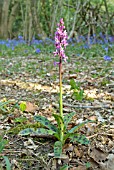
[92, 136]
[89, 107]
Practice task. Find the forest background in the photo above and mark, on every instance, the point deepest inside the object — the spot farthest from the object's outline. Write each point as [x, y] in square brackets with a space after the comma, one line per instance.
[38, 18]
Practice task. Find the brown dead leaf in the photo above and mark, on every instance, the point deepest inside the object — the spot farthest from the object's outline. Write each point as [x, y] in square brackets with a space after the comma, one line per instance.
[97, 155]
[31, 107]
[78, 152]
[93, 118]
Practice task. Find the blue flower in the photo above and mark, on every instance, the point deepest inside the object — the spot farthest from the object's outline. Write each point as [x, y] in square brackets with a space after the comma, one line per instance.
[107, 58]
[12, 48]
[38, 50]
[20, 37]
[106, 49]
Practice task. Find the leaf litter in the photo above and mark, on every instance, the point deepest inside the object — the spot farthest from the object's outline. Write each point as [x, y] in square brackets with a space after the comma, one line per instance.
[35, 81]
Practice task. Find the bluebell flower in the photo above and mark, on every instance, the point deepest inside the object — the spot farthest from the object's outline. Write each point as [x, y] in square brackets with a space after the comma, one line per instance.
[38, 50]
[107, 58]
[106, 49]
[20, 37]
[86, 46]
[72, 44]
[12, 48]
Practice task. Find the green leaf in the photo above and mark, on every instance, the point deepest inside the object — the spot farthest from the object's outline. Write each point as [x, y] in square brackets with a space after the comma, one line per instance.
[88, 165]
[23, 106]
[67, 118]
[8, 165]
[3, 104]
[75, 128]
[59, 120]
[43, 131]
[57, 135]
[57, 149]
[2, 144]
[65, 167]
[44, 121]
[79, 138]
[78, 94]
[66, 136]
[20, 119]
[73, 84]
[26, 131]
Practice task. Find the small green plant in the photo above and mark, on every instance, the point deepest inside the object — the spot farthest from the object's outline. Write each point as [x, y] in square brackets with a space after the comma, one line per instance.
[2, 146]
[3, 105]
[60, 131]
[78, 93]
[22, 106]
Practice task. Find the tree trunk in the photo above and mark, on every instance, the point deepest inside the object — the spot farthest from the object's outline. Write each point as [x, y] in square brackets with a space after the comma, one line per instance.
[12, 16]
[108, 17]
[36, 23]
[4, 19]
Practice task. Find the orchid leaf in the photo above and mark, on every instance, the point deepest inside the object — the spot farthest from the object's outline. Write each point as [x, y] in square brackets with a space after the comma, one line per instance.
[43, 131]
[79, 138]
[26, 131]
[66, 136]
[75, 128]
[44, 121]
[67, 118]
[59, 120]
[57, 149]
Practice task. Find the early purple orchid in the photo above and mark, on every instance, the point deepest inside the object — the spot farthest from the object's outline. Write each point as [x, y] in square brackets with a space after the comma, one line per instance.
[61, 40]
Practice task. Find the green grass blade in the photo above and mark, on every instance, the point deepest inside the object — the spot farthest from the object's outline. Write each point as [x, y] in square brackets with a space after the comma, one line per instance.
[8, 165]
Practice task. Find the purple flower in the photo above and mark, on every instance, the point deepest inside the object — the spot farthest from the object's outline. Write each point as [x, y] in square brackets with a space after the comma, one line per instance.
[107, 58]
[61, 40]
[37, 50]
[56, 63]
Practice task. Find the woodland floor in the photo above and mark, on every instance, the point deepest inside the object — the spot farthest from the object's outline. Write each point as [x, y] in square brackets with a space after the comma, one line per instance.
[36, 81]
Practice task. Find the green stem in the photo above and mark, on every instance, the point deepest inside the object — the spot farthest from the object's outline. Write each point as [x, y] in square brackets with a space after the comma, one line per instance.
[60, 88]
[61, 101]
